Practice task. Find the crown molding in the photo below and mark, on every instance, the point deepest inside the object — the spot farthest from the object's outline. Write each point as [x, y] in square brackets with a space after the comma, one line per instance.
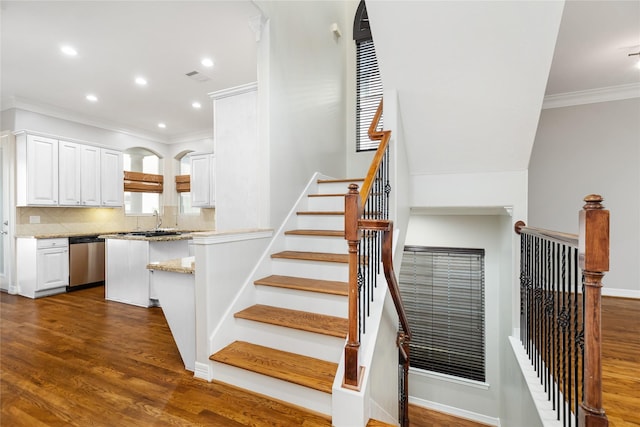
[225, 93]
[591, 96]
[63, 114]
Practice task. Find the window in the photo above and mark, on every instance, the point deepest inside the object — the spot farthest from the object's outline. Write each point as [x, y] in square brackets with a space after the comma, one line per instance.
[142, 196]
[184, 197]
[368, 81]
[443, 293]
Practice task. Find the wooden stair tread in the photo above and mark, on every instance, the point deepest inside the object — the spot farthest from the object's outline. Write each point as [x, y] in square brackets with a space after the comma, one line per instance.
[331, 181]
[320, 213]
[294, 368]
[296, 319]
[328, 195]
[312, 256]
[328, 233]
[304, 284]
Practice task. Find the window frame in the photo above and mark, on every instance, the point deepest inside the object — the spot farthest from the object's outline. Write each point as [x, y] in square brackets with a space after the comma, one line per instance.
[369, 89]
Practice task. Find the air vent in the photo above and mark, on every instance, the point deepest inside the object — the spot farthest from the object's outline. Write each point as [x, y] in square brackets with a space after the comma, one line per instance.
[198, 76]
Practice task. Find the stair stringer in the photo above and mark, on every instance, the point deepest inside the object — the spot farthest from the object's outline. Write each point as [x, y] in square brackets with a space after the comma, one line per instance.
[378, 356]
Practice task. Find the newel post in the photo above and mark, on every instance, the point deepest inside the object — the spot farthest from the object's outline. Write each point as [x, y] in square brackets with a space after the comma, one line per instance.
[352, 233]
[593, 246]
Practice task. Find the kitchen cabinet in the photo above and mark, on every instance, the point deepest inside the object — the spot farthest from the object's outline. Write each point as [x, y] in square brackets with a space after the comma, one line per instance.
[203, 189]
[112, 178]
[69, 176]
[42, 266]
[127, 278]
[55, 172]
[36, 170]
[90, 177]
[79, 178]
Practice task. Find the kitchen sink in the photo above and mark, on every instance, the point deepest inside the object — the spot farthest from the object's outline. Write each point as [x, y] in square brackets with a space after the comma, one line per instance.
[154, 233]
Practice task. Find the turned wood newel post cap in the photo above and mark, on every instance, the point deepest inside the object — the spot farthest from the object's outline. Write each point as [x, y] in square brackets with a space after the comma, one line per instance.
[593, 239]
[593, 201]
[353, 188]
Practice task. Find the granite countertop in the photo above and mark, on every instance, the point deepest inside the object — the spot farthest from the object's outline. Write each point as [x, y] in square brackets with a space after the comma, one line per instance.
[185, 265]
[64, 235]
[115, 234]
[184, 235]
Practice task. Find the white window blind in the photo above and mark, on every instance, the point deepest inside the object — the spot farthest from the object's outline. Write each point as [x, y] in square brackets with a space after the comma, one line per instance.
[368, 81]
[443, 293]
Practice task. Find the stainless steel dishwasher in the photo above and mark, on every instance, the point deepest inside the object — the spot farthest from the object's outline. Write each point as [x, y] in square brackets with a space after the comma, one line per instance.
[86, 262]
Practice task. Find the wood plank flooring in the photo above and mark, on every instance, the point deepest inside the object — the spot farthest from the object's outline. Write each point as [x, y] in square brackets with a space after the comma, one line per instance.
[78, 360]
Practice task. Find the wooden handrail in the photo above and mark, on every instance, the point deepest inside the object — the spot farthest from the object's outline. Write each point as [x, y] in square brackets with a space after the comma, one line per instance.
[556, 236]
[383, 136]
[361, 280]
[386, 226]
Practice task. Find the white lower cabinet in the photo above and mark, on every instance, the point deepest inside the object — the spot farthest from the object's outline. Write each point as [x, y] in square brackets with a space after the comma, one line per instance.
[127, 278]
[42, 266]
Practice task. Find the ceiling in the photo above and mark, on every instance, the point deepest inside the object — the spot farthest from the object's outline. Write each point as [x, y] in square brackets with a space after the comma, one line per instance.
[163, 40]
[117, 41]
[593, 46]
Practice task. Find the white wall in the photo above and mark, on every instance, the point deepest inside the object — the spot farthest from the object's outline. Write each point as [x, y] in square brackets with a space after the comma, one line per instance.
[585, 149]
[304, 87]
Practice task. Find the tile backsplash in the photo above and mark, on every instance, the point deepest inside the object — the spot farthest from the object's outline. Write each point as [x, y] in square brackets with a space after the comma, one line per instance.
[104, 220]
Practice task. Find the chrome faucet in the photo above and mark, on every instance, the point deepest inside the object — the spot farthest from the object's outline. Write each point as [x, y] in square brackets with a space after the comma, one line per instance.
[158, 219]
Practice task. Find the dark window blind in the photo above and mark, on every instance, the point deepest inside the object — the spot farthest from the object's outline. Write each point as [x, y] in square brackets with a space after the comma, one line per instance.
[369, 93]
[443, 293]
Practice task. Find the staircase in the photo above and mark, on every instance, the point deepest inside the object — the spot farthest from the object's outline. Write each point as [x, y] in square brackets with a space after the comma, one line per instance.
[289, 342]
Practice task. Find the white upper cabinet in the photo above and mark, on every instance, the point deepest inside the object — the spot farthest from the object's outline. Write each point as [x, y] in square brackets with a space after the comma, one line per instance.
[36, 170]
[90, 177]
[112, 179]
[203, 187]
[52, 172]
[69, 173]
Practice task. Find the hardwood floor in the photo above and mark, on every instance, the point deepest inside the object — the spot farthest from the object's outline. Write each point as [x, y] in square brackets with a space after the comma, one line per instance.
[621, 361]
[78, 360]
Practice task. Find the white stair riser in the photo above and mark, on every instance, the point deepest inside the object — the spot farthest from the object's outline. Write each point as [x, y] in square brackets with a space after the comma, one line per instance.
[311, 269]
[321, 222]
[329, 203]
[336, 245]
[282, 390]
[336, 187]
[313, 302]
[309, 344]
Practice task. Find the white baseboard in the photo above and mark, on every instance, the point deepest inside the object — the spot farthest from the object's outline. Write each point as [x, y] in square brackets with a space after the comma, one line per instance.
[457, 412]
[202, 371]
[620, 293]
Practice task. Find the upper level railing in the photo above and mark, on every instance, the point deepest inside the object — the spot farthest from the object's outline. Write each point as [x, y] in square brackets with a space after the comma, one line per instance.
[560, 312]
[369, 234]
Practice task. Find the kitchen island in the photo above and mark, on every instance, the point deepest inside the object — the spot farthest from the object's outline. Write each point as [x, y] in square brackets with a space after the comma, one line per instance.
[127, 255]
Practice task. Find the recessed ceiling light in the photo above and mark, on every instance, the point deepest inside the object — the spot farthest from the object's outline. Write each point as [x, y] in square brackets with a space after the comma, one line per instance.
[91, 98]
[141, 81]
[69, 50]
[207, 62]
[196, 105]
[162, 125]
